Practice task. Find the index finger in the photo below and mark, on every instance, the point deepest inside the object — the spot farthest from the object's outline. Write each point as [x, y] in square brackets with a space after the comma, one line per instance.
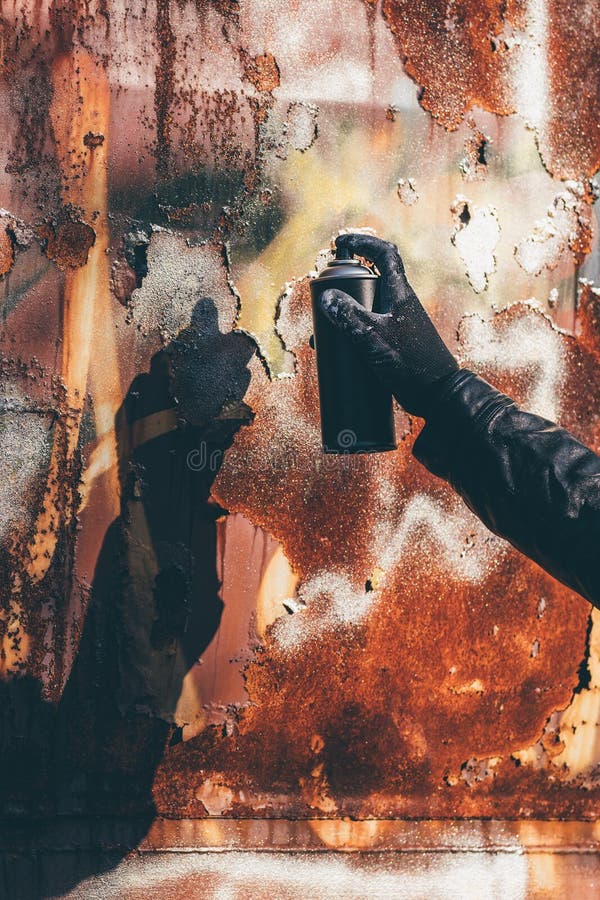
[384, 254]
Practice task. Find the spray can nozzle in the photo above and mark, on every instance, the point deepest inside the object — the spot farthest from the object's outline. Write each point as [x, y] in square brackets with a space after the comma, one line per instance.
[341, 253]
[344, 258]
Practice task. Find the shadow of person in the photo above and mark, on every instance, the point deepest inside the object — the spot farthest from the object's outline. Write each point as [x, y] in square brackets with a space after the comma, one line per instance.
[154, 604]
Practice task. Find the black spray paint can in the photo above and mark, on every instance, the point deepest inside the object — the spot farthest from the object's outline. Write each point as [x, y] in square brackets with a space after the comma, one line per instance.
[356, 409]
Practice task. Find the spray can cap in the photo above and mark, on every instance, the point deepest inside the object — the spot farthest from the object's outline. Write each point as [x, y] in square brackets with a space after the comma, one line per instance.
[344, 266]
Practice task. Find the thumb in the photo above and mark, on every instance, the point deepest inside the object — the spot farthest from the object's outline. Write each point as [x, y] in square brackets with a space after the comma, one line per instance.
[347, 315]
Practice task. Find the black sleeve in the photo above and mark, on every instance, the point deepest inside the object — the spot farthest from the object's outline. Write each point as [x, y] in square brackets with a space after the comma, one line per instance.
[528, 480]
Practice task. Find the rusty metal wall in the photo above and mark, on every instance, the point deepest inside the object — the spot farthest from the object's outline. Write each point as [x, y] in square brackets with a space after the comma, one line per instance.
[201, 615]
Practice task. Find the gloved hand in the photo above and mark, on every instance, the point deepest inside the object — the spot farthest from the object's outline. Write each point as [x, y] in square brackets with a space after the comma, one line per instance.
[400, 344]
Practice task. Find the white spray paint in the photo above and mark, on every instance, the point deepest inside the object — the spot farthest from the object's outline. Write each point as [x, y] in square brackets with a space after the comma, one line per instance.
[526, 344]
[531, 75]
[327, 601]
[320, 876]
[178, 277]
[550, 237]
[457, 537]
[25, 444]
[476, 233]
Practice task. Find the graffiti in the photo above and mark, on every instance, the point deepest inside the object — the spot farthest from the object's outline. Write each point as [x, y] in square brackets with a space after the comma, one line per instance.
[526, 344]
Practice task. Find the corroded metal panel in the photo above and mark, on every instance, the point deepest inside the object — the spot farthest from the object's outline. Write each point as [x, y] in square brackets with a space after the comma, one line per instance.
[201, 614]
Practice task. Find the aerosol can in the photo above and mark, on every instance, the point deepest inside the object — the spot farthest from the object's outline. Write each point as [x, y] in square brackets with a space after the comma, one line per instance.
[356, 409]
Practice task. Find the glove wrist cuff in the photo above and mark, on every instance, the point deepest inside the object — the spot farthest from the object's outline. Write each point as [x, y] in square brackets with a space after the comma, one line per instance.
[465, 405]
[437, 391]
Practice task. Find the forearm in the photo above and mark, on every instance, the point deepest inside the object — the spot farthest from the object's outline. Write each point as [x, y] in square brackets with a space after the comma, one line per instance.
[529, 481]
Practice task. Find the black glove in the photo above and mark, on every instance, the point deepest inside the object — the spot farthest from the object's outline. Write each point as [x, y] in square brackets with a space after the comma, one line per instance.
[400, 343]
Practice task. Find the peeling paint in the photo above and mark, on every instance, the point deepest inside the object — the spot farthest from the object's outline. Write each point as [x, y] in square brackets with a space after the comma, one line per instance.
[179, 276]
[474, 164]
[566, 226]
[68, 241]
[7, 250]
[407, 191]
[476, 233]
[527, 56]
[301, 125]
[263, 72]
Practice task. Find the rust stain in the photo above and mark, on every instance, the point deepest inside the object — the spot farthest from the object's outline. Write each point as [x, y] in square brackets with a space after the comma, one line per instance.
[67, 241]
[86, 287]
[165, 85]
[468, 53]
[467, 686]
[7, 250]
[93, 139]
[456, 53]
[262, 72]
[566, 227]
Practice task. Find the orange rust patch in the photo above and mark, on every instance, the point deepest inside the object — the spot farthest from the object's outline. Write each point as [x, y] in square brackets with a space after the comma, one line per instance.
[67, 241]
[93, 140]
[449, 50]
[570, 140]
[7, 251]
[588, 320]
[262, 72]
[468, 53]
[440, 671]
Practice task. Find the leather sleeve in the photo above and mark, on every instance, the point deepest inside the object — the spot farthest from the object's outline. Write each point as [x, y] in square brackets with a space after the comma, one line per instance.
[528, 480]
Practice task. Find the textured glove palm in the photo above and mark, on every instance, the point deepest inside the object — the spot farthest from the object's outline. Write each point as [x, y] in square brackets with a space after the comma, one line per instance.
[401, 344]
